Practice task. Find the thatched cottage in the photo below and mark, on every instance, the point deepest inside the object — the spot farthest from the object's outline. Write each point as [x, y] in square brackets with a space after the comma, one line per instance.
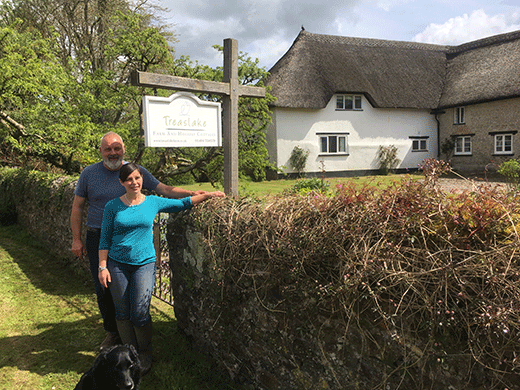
[340, 98]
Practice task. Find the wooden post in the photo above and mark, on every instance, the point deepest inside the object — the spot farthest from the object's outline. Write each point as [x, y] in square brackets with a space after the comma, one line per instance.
[231, 91]
[230, 118]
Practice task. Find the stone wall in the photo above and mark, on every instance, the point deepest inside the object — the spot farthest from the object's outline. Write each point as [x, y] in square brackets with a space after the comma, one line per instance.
[481, 120]
[41, 203]
[274, 341]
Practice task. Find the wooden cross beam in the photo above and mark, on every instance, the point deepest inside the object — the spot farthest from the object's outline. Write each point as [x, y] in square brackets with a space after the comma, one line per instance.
[231, 91]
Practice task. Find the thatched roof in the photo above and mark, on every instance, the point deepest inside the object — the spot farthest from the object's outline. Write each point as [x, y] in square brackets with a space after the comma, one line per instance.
[483, 70]
[395, 74]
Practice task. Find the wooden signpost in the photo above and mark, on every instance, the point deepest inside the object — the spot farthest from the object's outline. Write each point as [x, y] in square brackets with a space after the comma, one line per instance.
[231, 91]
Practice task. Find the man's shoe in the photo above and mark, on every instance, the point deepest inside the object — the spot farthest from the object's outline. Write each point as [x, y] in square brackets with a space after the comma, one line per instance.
[111, 340]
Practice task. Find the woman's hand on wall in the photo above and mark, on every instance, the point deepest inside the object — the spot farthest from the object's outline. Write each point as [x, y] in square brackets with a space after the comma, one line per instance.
[196, 199]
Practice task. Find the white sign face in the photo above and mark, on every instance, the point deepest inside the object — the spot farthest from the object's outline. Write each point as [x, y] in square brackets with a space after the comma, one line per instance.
[181, 120]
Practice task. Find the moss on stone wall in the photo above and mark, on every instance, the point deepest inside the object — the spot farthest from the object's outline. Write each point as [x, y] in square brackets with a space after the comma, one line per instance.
[41, 203]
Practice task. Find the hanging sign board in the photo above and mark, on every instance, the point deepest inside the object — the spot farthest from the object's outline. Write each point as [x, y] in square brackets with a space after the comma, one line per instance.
[181, 120]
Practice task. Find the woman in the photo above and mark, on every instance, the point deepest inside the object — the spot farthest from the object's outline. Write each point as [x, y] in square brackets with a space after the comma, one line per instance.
[127, 256]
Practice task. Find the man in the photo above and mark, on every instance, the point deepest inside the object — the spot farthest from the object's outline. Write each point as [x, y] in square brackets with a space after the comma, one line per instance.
[97, 184]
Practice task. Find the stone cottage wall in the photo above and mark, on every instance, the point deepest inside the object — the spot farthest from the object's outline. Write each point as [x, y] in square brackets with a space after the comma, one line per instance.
[481, 120]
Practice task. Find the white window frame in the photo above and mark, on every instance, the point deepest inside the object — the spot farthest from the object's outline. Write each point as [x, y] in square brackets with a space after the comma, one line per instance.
[466, 146]
[459, 116]
[420, 144]
[503, 143]
[355, 102]
[338, 142]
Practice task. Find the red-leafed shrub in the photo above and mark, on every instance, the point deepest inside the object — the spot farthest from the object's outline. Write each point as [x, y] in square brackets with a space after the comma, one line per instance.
[440, 271]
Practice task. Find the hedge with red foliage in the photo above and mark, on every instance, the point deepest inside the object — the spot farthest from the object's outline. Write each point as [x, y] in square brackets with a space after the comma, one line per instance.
[440, 271]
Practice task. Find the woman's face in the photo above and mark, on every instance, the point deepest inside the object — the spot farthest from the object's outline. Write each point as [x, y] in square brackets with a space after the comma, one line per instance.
[133, 183]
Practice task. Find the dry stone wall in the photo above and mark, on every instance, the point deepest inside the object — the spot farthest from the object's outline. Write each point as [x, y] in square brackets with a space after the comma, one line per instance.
[42, 205]
[268, 342]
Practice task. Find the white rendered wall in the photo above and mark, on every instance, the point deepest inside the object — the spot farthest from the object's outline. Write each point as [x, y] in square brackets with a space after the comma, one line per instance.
[368, 129]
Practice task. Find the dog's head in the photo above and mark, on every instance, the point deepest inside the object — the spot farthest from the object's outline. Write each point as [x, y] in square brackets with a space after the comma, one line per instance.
[121, 366]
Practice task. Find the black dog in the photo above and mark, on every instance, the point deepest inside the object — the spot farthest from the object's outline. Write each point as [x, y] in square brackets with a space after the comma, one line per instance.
[116, 368]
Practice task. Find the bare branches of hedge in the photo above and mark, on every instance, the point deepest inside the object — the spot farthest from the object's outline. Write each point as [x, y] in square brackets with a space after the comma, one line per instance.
[439, 271]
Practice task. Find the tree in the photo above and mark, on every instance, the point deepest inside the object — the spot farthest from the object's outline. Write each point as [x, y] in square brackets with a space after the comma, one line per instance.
[72, 86]
[38, 118]
[77, 77]
[253, 119]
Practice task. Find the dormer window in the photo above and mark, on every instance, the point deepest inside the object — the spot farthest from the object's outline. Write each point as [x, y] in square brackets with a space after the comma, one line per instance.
[459, 117]
[348, 102]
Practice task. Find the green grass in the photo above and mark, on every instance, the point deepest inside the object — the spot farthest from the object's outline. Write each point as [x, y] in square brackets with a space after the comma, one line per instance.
[274, 187]
[50, 328]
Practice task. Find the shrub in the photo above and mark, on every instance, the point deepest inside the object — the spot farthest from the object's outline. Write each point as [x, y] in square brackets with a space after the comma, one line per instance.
[7, 206]
[387, 159]
[447, 147]
[307, 185]
[511, 170]
[298, 159]
[440, 272]
[432, 169]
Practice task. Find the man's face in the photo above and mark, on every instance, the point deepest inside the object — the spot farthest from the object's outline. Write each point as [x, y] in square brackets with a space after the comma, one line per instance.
[112, 151]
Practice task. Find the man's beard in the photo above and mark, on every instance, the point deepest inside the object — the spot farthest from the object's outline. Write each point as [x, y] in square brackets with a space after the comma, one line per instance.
[113, 164]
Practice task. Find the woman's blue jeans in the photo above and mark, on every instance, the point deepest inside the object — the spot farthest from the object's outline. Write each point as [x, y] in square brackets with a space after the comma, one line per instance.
[132, 288]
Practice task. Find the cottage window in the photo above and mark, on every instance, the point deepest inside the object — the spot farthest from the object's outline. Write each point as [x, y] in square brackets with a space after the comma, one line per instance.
[333, 144]
[348, 102]
[503, 143]
[462, 145]
[419, 144]
[459, 116]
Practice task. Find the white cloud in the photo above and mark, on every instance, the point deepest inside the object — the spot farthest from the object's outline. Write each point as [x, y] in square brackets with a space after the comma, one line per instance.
[386, 5]
[466, 28]
[265, 29]
[271, 49]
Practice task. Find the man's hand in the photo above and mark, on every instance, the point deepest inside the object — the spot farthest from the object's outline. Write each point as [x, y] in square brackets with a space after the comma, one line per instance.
[76, 216]
[78, 249]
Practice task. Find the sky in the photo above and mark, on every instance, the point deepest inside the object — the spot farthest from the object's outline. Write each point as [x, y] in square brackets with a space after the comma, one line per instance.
[265, 29]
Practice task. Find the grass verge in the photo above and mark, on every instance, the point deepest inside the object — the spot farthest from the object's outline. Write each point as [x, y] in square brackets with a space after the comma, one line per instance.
[50, 328]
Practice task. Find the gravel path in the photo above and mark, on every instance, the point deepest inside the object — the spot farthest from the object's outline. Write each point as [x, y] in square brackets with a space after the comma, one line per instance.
[457, 185]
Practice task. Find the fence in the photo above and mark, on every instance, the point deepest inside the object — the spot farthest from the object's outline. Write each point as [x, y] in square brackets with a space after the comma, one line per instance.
[162, 289]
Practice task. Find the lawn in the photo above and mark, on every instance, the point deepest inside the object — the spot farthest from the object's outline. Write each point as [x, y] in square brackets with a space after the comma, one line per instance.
[274, 187]
[50, 328]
